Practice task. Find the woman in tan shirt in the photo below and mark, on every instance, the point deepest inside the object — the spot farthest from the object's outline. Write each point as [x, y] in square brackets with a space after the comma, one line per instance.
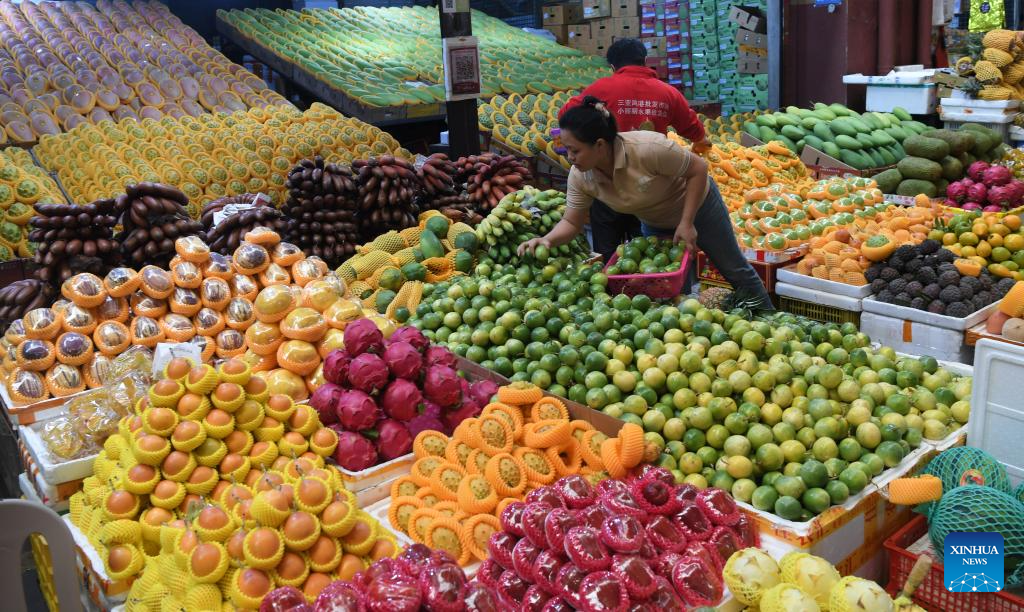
[650, 176]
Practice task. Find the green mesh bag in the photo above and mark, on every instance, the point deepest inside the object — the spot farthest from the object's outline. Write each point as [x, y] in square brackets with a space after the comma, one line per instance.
[973, 508]
[964, 465]
[1019, 492]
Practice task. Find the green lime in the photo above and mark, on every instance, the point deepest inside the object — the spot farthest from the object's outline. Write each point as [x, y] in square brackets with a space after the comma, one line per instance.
[837, 491]
[816, 500]
[690, 463]
[764, 498]
[769, 457]
[707, 455]
[875, 464]
[788, 507]
[674, 429]
[653, 420]
[891, 453]
[743, 489]
[854, 479]
[814, 473]
[722, 480]
[835, 467]
[790, 485]
[716, 435]
[736, 445]
[824, 449]
[850, 449]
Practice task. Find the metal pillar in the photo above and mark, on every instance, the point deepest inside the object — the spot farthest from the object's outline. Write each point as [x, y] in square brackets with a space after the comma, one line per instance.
[774, 53]
[463, 131]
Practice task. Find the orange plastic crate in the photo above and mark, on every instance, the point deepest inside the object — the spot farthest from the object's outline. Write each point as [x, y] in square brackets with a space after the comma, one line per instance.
[932, 595]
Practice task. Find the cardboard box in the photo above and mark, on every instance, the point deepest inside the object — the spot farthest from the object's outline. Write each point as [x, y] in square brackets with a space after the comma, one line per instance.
[595, 9]
[752, 39]
[577, 32]
[562, 14]
[656, 46]
[754, 51]
[625, 8]
[561, 32]
[752, 66]
[625, 27]
[748, 18]
[602, 30]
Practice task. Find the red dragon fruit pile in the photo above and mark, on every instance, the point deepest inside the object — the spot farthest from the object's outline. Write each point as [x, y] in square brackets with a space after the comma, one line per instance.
[380, 394]
[417, 579]
[641, 544]
[987, 187]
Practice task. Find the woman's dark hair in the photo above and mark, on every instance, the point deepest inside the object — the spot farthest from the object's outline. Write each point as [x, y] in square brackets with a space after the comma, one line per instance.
[626, 52]
[590, 121]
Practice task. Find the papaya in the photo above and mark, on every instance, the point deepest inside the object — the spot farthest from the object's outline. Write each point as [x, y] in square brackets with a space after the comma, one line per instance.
[901, 113]
[414, 271]
[430, 245]
[920, 168]
[463, 262]
[437, 225]
[913, 187]
[466, 241]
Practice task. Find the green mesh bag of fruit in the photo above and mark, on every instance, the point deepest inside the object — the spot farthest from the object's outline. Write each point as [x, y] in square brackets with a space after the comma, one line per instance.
[973, 508]
[977, 496]
[965, 465]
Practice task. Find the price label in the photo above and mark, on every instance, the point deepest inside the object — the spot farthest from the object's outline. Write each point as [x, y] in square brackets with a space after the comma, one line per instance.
[166, 351]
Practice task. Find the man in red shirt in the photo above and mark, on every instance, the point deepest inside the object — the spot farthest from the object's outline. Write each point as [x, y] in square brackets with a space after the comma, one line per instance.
[639, 101]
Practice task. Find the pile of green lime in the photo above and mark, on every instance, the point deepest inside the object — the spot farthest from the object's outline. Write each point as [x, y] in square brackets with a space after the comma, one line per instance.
[790, 416]
[647, 255]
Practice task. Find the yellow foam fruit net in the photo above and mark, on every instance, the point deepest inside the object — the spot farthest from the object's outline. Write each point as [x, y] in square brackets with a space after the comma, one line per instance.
[749, 573]
[404, 256]
[786, 597]
[457, 229]
[389, 242]
[366, 265]
[486, 459]
[438, 269]
[411, 236]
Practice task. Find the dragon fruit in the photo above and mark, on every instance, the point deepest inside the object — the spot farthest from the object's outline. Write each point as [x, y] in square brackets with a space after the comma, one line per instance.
[993, 208]
[971, 206]
[1018, 190]
[957, 191]
[439, 355]
[356, 410]
[325, 402]
[336, 367]
[403, 360]
[363, 336]
[468, 409]
[951, 203]
[411, 335]
[393, 439]
[976, 170]
[354, 452]
[401, 400]
[977, 192]
[482, 391]
[1000, 196]
[422, 422]
[368, 373]
[996, 175]
[441, 385]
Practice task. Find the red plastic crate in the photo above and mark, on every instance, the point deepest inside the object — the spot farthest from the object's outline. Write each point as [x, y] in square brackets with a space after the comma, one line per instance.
[932, 595]
[663, 285]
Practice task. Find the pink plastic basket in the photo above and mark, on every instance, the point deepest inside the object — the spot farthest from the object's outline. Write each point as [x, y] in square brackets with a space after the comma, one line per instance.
[662, 285]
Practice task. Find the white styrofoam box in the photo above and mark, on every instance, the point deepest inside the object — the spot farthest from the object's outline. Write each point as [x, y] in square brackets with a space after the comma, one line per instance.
[298, 5]
[997, 414]
[93, 569]
[383, 473]
[993, 116]
[959, 100]
[1016, 133]
[817, 297]
[914, 338]
[52, 471]
[790, 276]
[37, 489]
[906, 313]
[915, 99]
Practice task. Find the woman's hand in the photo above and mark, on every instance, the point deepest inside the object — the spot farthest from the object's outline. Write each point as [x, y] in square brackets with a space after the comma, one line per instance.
[532, 244]
[687, 233]
[701, 147]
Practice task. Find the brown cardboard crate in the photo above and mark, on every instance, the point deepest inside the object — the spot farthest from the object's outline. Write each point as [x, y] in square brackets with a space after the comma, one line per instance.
[748, 18]
[561, 32]
[625, 27]
[625, 8]
[656, 46]
[752, 39]
[578, 32]
[562, 14]
[602, 31]
[596, 9]
[752, 66]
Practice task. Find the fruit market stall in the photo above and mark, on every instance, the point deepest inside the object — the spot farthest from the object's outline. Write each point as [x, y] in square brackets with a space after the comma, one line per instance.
[383, 65]
[69, 64]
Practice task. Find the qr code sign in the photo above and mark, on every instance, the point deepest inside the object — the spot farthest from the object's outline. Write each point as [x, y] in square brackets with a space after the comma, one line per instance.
[464, 67]
[448, 6]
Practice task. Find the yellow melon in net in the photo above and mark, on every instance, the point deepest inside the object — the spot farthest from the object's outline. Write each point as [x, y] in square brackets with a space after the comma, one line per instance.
[749, 573]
